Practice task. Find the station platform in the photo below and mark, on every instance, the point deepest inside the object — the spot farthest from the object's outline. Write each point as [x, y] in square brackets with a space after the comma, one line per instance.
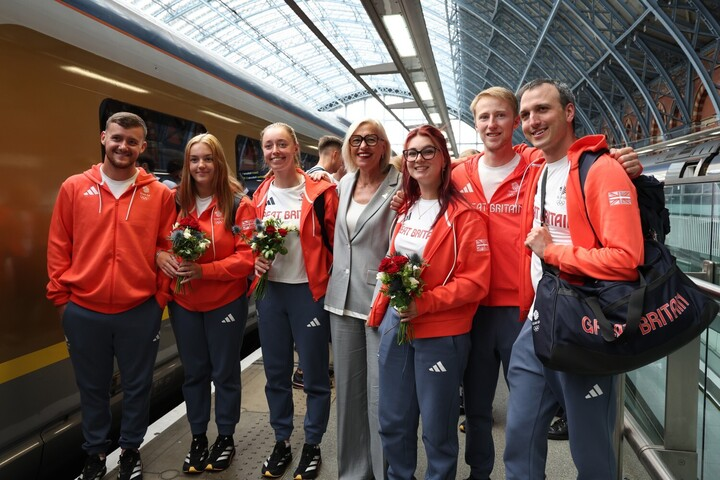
[168, 441]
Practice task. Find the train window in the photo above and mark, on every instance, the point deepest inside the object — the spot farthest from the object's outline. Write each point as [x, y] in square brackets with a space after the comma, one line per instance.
[307, 160]
[251, 165]
[167, 134]
[249, 162]
[688, 170]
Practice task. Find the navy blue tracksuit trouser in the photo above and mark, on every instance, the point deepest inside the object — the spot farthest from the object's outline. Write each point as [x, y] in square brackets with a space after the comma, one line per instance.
[420, 380]
[288, 315]
[535, 394]
[209, 344]
[493, 333]
[94, 339]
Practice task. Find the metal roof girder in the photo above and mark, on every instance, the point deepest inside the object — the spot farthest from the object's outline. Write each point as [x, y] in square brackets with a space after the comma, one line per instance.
[612, 48]
[540, 40]
[508, 38]
[693, 59]
[707, 17]
[375, 9]
[413, 13]
[313, 28]
[584, 118]
[618, 121]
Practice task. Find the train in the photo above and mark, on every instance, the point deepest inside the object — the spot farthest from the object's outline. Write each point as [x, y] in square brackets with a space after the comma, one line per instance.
[68, 65]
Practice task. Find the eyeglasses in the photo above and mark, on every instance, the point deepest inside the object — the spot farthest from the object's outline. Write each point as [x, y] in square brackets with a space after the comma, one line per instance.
[370, 140]
[427, 153]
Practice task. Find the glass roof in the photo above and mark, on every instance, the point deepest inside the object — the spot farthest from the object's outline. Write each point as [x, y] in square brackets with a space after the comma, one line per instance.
[618, 57]
[270, 41]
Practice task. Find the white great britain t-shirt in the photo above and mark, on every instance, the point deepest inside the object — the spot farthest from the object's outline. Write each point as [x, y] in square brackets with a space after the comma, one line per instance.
[417, 227]
[555, 210]
[286, 204]
[492, 177]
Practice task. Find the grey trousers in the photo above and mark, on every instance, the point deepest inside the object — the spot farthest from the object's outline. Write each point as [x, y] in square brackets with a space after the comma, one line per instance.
[355, 358]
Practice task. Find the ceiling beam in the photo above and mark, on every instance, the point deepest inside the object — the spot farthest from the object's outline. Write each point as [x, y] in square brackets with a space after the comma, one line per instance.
[313, 28]
[412, 12]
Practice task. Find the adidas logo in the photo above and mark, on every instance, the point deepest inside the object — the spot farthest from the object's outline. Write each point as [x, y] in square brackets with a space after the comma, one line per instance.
[270, 201]
[315, 323]
[157, 338]
[228, 319]
[438, 368]
[92, 191]
[595, 391]
[467, 188]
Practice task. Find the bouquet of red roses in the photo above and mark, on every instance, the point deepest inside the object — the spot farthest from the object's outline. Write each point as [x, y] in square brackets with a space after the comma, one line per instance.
[188, 243]
[268, 242]
[400, 276]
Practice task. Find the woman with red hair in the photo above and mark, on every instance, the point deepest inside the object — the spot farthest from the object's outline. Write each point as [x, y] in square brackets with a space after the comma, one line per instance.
[421, 378]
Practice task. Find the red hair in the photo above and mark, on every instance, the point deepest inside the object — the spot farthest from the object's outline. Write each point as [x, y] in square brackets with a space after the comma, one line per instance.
[446, 191]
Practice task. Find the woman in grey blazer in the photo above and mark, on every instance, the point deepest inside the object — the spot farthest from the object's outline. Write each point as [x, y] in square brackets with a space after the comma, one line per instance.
[362, 235]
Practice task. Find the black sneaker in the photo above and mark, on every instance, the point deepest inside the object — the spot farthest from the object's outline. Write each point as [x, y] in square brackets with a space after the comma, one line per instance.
[310, 462]
[297, 379]
[197, 458]
[559, 429]
[221, 454]
[94, 468]
[130, 465]
[278, 461]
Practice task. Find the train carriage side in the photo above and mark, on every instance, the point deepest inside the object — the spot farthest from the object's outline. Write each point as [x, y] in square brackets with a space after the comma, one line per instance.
[55, 97]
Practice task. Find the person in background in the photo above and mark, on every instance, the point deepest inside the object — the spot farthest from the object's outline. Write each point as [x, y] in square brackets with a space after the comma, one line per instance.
[421, 378]
[608, 247]
[362, 233]
[209, 314]
[291, 310]
[107, 225]
[330, 160]
[174, 170]
[147, 164]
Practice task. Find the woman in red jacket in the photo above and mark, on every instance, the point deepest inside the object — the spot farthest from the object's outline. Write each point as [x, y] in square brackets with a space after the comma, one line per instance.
[420, 379]
[291, 310]
[208, 315]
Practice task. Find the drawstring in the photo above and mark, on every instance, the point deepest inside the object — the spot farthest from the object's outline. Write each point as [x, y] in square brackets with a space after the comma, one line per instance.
[534, 164]
[132, 199]
[212, 229]
[97, 185]
[454, 255]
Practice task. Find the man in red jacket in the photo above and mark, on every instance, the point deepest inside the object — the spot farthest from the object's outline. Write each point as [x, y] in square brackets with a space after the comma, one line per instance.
[492, 182]
[108, 224]
[565, 239]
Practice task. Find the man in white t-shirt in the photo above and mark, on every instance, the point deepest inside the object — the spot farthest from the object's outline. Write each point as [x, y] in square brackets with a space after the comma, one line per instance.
[493, 183]
[558, 233]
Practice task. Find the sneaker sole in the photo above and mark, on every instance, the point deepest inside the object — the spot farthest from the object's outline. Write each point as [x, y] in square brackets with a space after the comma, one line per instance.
[193, 470]
[311, 476]
[210, 467]
[104, 471]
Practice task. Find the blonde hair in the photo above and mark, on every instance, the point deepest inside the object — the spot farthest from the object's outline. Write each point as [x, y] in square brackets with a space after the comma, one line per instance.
[501, 93]
[349, 159]
[224, 186]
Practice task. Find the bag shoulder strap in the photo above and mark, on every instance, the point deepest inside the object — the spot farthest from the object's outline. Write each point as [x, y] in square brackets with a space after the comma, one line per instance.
[635, 303]
[587, 159]
[319, 206]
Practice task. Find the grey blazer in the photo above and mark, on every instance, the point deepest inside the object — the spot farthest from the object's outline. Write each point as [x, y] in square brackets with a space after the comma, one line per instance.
[356, 258]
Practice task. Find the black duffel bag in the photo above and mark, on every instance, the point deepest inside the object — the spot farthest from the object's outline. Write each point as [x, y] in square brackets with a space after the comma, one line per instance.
[609, 327]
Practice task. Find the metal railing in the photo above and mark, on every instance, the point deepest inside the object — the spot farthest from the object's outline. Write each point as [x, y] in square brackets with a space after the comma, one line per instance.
[677, 457]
